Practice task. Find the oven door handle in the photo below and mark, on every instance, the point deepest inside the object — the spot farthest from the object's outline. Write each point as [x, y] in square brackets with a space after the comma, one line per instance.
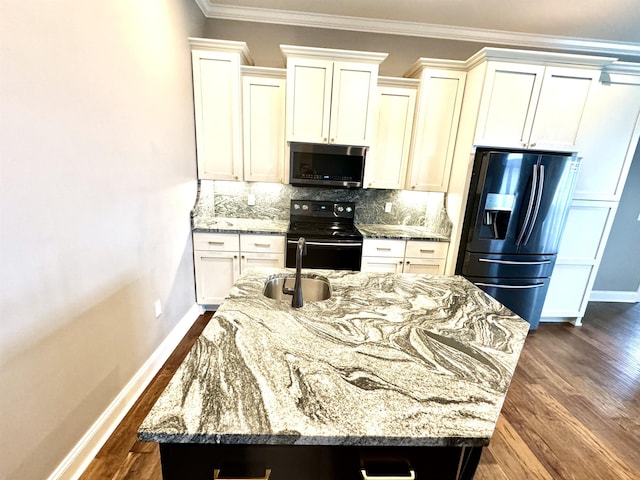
[328, 244]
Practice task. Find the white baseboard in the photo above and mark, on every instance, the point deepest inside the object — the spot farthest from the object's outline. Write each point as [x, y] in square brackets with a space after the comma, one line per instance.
[613, 296]
[86, 449]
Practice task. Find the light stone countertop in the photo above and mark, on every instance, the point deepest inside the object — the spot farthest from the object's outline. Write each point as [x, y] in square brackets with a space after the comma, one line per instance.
[403, 232]
[389, 359]
[240, 225]
[266, 226]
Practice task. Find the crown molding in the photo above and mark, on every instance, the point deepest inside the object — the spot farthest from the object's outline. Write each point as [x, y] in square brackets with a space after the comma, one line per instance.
[415, 29]
[350, 55]
[252, 71]
[228, 46]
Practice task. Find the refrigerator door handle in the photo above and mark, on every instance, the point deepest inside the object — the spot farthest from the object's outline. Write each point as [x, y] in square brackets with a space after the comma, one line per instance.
[513, 262]
[532, 196]
[497, 285]
[537, 205]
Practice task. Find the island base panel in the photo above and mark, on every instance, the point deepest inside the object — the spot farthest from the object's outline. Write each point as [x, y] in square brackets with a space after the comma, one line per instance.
[295, 462]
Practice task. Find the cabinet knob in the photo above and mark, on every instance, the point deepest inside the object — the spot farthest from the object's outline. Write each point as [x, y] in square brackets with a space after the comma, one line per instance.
[532, 144]
[235, 177]
[324, 139]
[235, 256]
[333, 140]
[524, 144]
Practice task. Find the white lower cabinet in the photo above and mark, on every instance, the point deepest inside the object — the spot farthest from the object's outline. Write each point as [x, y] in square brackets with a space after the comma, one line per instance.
[220, 258]
[400, 256]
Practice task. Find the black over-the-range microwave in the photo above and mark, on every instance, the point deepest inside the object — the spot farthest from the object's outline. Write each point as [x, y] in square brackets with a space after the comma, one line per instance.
[337, 166]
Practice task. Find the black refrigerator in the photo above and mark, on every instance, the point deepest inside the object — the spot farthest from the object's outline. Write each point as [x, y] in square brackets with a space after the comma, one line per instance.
[517, 207]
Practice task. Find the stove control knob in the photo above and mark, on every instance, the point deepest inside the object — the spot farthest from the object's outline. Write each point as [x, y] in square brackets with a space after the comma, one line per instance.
[340, 208]
[296, 206]
[305, 206]
[349, 209]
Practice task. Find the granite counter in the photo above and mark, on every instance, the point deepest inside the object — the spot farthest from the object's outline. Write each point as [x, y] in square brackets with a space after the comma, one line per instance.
[389, 359]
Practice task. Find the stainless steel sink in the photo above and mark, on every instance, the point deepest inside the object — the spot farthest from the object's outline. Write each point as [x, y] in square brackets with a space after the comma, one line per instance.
[314, 287]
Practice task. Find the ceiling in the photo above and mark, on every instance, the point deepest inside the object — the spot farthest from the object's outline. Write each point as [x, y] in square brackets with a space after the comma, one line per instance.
[604, 26]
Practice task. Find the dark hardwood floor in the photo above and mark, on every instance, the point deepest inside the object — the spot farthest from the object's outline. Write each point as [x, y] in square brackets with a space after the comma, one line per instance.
[572, 411]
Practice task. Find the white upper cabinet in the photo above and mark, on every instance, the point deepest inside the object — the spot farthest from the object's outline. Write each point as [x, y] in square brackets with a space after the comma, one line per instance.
[263, 92]
[330, 95]
[387, 160]
[217, 105]
[436, 123]
[608, 136]
[533, 103]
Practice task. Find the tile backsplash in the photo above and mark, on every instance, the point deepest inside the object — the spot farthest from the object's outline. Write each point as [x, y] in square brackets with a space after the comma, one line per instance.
[272, 200]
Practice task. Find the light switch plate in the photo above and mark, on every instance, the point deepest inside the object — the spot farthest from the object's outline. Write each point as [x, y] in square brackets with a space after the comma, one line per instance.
[387, 207]
[251, 200]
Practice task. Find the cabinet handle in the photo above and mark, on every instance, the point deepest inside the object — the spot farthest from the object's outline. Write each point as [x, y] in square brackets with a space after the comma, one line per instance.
[266, 245]
[424, 250]
[411, 475]
[383, 249]
[216, 243]
[267, 474]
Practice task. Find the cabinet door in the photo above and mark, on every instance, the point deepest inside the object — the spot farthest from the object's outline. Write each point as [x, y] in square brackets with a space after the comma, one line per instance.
[585, 232]
[386, 165]
[216, 273]
[382, 264]
[581, 247]
[216, 92]
[263, 133]
[569, 291]
[308, 100]
[560, 108]
[261, 260]
[608, 137]
[352, 93]
[437, 118]
[509, 99]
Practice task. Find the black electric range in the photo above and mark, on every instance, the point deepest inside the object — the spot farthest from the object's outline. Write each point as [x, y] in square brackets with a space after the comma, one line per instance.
[328, 228]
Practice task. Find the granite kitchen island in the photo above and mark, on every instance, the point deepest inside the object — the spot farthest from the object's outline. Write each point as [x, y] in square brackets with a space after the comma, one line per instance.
[394, 371]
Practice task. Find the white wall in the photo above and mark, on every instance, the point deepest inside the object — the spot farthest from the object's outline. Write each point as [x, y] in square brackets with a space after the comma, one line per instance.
[97, 178]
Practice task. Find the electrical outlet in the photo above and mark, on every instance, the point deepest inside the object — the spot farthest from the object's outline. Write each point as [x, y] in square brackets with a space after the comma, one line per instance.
[251, 200]
[158, 307]
[387, 207]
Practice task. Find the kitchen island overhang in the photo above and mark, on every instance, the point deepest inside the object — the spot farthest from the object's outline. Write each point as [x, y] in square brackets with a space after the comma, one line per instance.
[389, 361]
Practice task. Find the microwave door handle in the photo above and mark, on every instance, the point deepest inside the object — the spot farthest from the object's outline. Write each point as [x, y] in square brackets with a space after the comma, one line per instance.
[532, 196]
[537, 206]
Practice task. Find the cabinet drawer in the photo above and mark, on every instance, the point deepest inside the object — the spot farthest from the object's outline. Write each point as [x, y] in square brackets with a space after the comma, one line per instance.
[419, 265]
[383, 248]
[262, 243]
[222, 242]
[421, 249]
